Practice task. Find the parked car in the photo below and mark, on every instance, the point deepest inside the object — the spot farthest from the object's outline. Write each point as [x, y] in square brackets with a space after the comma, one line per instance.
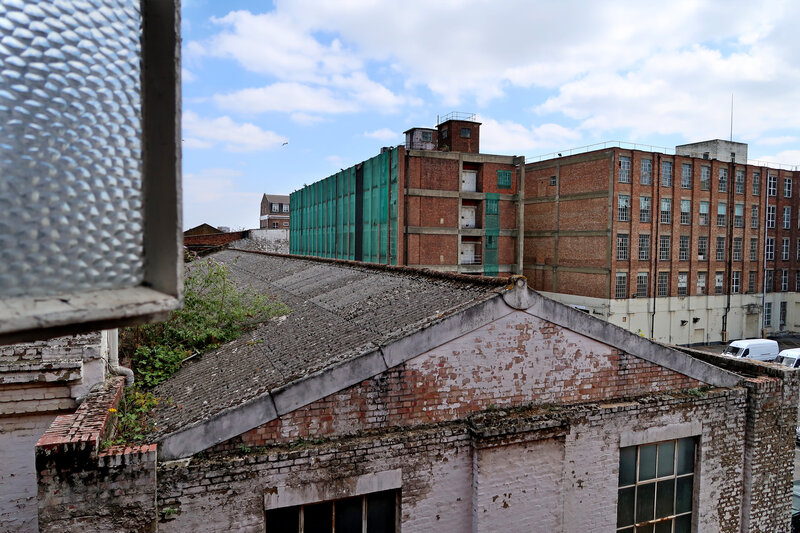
[790, 357]
[759, 349]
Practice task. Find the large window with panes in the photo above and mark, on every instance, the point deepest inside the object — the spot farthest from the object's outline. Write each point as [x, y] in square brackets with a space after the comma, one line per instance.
[683, 248]
[740, 182]
[787, 187]
[737, 248]
[769, 284]
[797, 281]
[705, 178]
[702, 248]
[768, 314]
[644, 209]
[769, 249]
[666, 174]
[666, 210]
[664, 247]
[686, 211]
[621, 285]
[372, 513]
[756, 183]
[622, 246]
[701, 283]
[624, 169]
[736, 279]
[663, 284]
[782, 315]
[723, 180]
[751, 281]
[623, 208]
[720, 251]
[642, 284]
[785, 249]
[686, 176]
[770, 216]
[656, 487]
[644, 246]
[703, 214]
[753, 248]
[787, 217]
[754, 217]
[738, 215]
[784, 280]
[722, 211]
[647, 172]
[683, 278]
[772, 185]
[719, 282]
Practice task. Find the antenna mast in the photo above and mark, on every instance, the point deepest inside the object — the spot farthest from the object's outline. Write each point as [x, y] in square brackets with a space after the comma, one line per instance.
[731, 117]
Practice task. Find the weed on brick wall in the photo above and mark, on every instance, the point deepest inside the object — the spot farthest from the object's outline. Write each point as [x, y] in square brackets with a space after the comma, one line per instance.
[214, 312]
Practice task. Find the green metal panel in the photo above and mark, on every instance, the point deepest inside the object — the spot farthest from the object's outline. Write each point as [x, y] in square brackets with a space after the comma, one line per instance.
[393, 180]
[503, 179]
[491, 233]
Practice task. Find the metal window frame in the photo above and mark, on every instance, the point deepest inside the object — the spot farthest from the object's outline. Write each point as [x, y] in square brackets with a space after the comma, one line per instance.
[28, 318]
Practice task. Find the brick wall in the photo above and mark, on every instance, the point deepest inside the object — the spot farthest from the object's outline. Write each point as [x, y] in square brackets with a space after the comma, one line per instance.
[81, 487]
[463, 474]
[209, 240]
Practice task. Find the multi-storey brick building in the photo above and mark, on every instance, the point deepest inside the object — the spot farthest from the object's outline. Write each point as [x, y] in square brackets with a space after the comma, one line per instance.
[678, 247]
[274, 212]
[435, 202]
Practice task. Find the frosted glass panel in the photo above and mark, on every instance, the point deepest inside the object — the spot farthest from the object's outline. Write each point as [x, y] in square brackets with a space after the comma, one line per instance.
[70, 146]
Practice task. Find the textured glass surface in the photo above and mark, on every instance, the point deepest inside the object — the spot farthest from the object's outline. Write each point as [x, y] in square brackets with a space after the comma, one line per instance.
[70, 146]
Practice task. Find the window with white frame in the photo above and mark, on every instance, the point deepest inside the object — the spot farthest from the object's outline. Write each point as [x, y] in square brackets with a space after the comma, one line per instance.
[736, 279]
[683, 248]
[666, 210]
[737, 248]
[701, 283]
[722, 211]
[642, 284]
[663, 284]
[686, 176]
[723, 180]
[666, 174]
[623, 208]
[740, 182]
[644, 209]
[738, 216]
[784, 280]
[656, 486]
[705, 178]
[664, 247]
[785, 249]
[702, 248]
[768, 314]
[719, 281]
[756, 183]
[720, 248]
[787, 217]
[624, 169]
[787, 187]
[622, 246]
[770, 216]
[621, 285]
[683, 278]
[753, 248]
[769, 284]
[772, 185]
[754, 217]
[751, 281]
[644, 246]
[769, 249]
[647, 172]
[285, 208]
[275, 208]
[371, 512]
[686, 211]
[703, 214]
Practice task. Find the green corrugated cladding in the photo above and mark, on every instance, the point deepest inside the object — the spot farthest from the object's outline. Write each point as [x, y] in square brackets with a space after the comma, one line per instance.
[491, 233]
[324, 213]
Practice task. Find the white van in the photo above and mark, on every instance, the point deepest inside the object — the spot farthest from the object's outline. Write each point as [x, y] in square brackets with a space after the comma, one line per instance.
[790, 357]
[759, 349]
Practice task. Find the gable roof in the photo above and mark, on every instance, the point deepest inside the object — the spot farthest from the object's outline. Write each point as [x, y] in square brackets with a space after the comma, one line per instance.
[349, 322]
[276, 199]
[202, 229]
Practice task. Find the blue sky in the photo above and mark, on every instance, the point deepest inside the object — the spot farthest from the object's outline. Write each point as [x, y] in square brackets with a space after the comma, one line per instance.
[278, 95]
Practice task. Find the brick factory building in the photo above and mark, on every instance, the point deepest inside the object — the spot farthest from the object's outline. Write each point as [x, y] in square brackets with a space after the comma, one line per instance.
[394, 399]
[274, 212]
[676, 247]
[435, 202]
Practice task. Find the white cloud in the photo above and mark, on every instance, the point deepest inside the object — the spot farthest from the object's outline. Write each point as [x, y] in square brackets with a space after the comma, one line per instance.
[211, 196]
[187, 76]
[787, 157]
[784, 139]
[383, 134]
[201, 132]
[284, 97]
[335, 161]
[509, 137]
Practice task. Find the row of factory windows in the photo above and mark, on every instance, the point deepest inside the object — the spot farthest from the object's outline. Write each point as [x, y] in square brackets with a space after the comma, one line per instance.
[643, 289]
[646, 178]
[665, 212]
[665, 248]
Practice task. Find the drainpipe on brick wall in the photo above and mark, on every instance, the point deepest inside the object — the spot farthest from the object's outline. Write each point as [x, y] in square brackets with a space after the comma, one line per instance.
[112, 341]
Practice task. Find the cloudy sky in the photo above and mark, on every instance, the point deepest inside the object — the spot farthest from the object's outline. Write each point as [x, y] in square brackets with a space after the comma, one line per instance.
[278, 95]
